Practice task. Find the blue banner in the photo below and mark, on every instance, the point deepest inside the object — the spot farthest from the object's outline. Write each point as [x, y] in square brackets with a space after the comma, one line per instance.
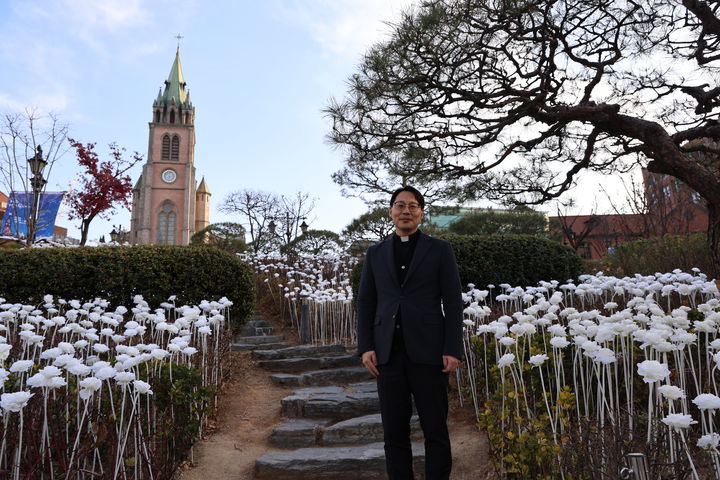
[18, 211]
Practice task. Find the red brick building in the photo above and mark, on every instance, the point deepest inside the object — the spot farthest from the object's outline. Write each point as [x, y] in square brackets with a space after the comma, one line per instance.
[667, 206]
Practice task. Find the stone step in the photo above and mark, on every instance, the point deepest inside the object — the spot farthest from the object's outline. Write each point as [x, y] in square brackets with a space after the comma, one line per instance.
[255, 331]
[331, 376]
[294, 365]
[300, 351]
[298, 432]
[334, 402]
[366, 462]
[306, 432]
[256, 346]
[360, 430]
[261, 339]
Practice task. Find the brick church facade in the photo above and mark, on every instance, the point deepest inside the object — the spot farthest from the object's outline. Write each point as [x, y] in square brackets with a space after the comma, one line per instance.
[168, 205]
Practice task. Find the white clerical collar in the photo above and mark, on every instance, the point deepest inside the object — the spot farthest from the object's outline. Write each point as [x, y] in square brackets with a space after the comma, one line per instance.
[405, 238]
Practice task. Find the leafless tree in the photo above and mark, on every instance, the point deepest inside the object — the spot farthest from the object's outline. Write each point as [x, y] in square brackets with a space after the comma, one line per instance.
[256, 210]
[272, 220]
[21, 133]
[293, 210]
[517, 97]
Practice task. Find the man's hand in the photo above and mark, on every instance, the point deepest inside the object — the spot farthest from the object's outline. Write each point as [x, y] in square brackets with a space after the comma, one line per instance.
[449, 363]
[369, 361]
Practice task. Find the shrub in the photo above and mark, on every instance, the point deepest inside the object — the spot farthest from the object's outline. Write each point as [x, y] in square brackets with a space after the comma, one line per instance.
[661, 254]
[119, 273]
[513, 259]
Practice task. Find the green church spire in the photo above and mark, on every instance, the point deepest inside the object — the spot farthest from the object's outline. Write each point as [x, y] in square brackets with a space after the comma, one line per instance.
[175, 87]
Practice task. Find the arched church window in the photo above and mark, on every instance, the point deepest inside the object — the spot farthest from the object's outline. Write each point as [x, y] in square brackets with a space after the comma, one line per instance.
[165, 148]
[166, 224]
[175, 151]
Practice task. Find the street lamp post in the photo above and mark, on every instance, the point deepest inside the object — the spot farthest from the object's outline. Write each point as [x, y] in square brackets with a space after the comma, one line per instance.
[37, 182]
[272, 226]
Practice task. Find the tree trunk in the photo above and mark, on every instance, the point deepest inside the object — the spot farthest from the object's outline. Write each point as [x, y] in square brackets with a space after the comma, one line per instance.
[84, 228]
[713, 237]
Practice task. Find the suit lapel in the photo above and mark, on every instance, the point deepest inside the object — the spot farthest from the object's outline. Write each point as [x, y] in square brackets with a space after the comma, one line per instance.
[421, 249]
[388, 258]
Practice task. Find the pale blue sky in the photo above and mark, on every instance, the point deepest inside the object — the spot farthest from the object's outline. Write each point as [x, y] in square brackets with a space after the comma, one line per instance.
[259, 73]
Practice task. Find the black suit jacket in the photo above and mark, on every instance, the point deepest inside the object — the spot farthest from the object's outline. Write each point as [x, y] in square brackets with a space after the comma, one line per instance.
[430, 300]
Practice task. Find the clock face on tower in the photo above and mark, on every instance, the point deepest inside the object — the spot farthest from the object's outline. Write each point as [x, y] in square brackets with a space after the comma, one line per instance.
[169, 175]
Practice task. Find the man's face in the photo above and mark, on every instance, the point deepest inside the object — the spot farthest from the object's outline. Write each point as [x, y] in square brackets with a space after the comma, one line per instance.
[406, 214]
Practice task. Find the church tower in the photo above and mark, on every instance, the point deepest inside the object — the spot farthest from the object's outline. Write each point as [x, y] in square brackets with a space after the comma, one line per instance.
[165, 197]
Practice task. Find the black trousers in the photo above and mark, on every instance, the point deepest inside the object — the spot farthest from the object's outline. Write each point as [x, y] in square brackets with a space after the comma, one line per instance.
[399, 380]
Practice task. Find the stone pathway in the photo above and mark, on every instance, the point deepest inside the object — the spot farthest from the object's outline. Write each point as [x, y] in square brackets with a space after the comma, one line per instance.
[328, 425]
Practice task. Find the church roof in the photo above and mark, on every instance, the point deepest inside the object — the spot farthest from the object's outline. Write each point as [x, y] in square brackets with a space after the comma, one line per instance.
[175, 87]
[203, 188]
[138, 184]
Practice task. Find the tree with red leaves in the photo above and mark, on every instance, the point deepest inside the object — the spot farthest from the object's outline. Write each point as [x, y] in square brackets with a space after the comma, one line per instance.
[103, 184]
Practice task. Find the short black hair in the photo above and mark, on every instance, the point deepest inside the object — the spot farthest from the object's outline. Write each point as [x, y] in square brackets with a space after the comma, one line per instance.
[413, 190]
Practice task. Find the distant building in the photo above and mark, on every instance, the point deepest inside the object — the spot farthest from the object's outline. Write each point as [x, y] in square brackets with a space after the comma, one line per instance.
[168, 205]
[670, 206]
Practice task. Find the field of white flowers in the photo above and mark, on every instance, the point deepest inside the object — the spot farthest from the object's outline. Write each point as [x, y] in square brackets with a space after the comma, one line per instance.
[322, 285]
[566, 377]
[95, 391]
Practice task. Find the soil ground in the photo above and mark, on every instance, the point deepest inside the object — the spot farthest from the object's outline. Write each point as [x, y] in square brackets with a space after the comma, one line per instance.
[249, 409]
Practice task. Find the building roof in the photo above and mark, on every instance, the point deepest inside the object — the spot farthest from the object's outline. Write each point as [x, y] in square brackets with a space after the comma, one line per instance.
[203, 188]
[175, 87]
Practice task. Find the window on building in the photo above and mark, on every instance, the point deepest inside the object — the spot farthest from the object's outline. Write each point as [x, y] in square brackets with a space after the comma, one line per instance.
[696, 198]
[172, 116]
[175, 151]
[166, 224]
[157, 116]
[165, 148]
[584, 251]
[666, 190]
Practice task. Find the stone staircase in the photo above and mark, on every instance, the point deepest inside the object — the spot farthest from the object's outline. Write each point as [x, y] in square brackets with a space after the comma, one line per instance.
[332, 427]
[257, 334]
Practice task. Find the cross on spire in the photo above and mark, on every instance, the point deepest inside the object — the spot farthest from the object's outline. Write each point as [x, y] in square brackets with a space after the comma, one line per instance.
[179, 37]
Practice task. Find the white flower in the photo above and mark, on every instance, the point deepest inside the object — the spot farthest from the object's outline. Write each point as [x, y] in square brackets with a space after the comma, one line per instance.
[14, 402]
[506, 360]
[88, 386]
[105, 372]
[124, 378]
[707, 401]
[142, 387]
[159, 353]
[671, 392]
[652, 371]
[4, 351]
[79, 369]
[538, 360]
[507, 341]
[604, 356]
[38, 381]
[21, 366]
[100, 348]
[189, 351]
[709, 441]
[678, 421]
[559, 342]
[4, 374]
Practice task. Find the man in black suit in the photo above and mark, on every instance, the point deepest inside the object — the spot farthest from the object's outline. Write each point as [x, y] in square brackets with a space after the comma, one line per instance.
[410, 335]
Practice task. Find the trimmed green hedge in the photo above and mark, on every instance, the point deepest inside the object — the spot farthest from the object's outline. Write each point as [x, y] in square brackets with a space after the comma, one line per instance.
[519, 260]
[659, 254]
[118, 273]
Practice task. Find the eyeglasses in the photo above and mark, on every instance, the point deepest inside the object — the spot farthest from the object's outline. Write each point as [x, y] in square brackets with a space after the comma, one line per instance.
[413, 207]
